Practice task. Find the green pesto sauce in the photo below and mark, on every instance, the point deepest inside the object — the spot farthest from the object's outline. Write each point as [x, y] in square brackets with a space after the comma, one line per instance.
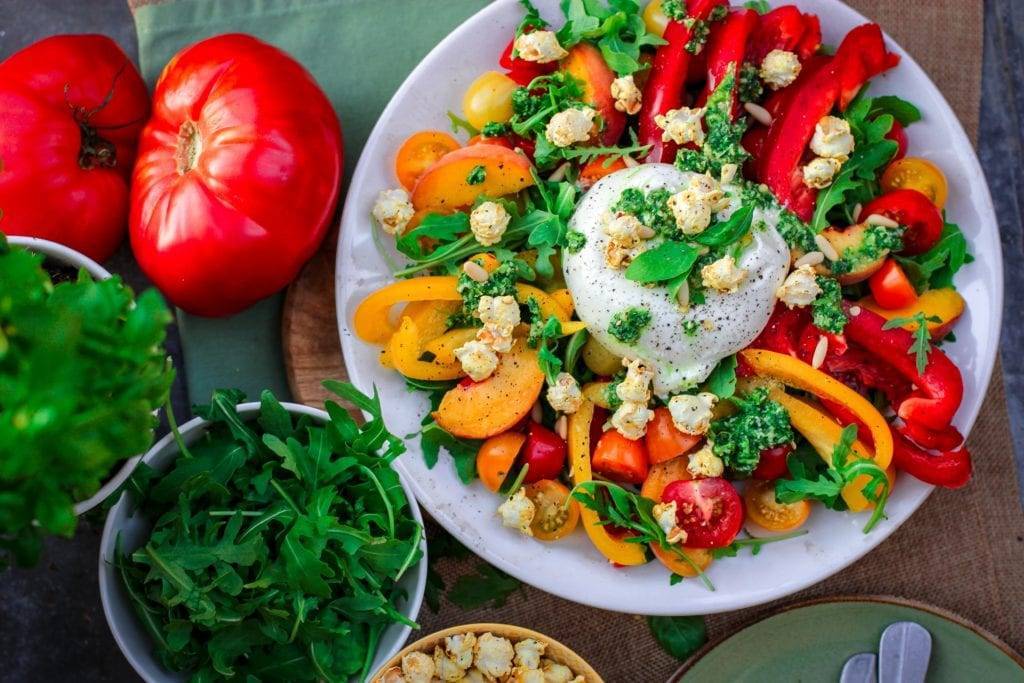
[759, 424]
[876, 242]
[650, 208]
[827, 312]
[628, 325]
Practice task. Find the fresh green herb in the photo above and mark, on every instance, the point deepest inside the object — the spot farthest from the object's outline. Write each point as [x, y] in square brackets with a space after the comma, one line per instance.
[82, 367]
[691, 328]
[277, 545]
[551, 205]
[531, 21]
[922, 345]
[759, 6]
[618, 30]
[616, 506]
[901, 110]
[722, 380]
[936, 267]
[486, 586]
[876, 241]
[542, 333]
[827, 310]
[751, 89]
[650, 208]
[722, 143]
[728, 231]
[477, 175]
[462, 451]
[628, 325]
[458, 123]
[760, 423]
[611, 392]
[533, 105]
[755, 544]
[674, 9]
[575, 241]
[614, 152]
[494, 129]
[678, 636]
[574, 348]
[667, 261]
[828, 487]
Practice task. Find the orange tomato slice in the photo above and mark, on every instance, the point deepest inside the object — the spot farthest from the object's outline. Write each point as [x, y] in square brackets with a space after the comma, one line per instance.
[496, 456]
[766, 512]
[419, 152]
[554, 519]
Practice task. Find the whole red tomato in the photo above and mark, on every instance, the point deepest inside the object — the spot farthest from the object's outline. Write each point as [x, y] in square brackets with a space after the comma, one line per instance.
[71, 108]
[237, 177]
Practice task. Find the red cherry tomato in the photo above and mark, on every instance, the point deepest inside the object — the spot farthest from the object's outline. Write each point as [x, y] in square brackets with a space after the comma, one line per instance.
[73, 107]
[891, 287]
[710, 510]
[898, 134]
[664, 441]
[772, 464]
[621, 459]
[544, 452]
[915, 212]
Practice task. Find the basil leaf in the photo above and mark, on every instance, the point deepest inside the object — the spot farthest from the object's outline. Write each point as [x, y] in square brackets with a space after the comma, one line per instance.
[730, 230]
[901, 110]
[667, 261]
[678, 636]
[722, 380]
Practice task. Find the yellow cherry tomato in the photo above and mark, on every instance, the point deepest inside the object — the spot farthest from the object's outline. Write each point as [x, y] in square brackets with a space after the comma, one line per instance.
[914, 173]
[655, 18]
[489, 98]
[766, 512]
[557, 514]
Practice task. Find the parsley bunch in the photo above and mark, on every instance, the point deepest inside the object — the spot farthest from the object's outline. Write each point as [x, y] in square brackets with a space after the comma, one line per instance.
[82, 368]
[277, 544]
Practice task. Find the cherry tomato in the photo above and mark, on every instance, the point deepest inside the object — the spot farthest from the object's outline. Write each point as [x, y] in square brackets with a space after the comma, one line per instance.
[914, 173]
[598, 168]
[419, 152]
[698, 556]
[915, 212]
[544, 452]
[496, 456]
[664, 441]
[620, 459]
[898, 134]
[772, 463]
[663, 474]
[891, 287]
[708, 510]
[488, 98]
[763, 510]
[554, 519]
[655, 18]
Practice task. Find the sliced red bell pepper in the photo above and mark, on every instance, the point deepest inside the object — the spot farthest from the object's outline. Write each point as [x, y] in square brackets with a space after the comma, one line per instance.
[665, 86]
[785, 28]
[726, 48]
[939, 389]
[520, 70]
[862, 56]
[782, 333]
[942, 440]
[951, 468]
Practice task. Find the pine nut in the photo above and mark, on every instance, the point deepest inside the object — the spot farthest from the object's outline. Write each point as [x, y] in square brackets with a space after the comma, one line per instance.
[562, 427]
[879, 219]
[630, 161]
[826, 247]
[855, 311]
[645, 232]
[559, 173]
[536, 413]
[759, 113]
[857, 208]
[728, 173]
[811, 258]
[683, 296]
[820, 351]
[475, 271]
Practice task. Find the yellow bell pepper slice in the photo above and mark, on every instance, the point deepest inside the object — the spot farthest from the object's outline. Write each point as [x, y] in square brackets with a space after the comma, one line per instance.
[431, 319]
[443, 347]
[548, 305]
[800, 375]
[371, 323]
[616, 550]
[564, 299]
[405, 349]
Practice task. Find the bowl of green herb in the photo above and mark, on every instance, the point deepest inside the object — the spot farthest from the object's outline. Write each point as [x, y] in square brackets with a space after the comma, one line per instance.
[82, 369]
[265, 541]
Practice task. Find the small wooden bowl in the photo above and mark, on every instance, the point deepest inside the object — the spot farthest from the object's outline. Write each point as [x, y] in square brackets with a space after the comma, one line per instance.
[556, 651]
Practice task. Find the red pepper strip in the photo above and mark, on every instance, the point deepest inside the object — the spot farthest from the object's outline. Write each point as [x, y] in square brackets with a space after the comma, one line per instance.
[944, 440]
[665, 85]
[810, 41]
[782, 333]
[726, 48]
[939, 389]
[863, 56]
[520, 70]
[951, 469]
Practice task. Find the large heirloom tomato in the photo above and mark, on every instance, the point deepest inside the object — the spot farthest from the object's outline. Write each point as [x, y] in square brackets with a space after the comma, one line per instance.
[237, 177]
[71, 108]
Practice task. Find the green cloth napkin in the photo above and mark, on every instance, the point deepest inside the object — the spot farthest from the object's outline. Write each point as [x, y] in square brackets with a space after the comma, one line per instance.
[359, 51]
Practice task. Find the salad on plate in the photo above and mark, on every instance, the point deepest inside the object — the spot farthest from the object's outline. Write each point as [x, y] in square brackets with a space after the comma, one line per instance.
[681, 286]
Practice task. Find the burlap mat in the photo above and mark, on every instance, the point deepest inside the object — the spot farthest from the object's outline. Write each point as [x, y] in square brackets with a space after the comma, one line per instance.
[963, 550]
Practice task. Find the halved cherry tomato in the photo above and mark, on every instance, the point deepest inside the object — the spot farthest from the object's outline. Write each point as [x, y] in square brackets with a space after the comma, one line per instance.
[891, 287]
[488, 98]
[772, 463]
[898, 134]
[763, 510]
[914, 211]
[598, 168]
[708, 510]
[698, 556]
[620, 459]
[914, 173]
[664, 441]
[544, 453]
[554, 519]
[663, 474]
[419, 152]
[496, 456]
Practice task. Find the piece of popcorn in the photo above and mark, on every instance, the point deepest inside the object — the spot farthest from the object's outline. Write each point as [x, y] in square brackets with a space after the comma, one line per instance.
[666, 517]
[557, 673]
[517, 512]
[820, 172]
[446, 668]
[489, 222]
[499, 315]
[630, 419]
[393, 210]
[691, 210]
[779, 68]
[626, 94]
[494, 654]
[460, 648]
[636, 385]
[833, 139]
[564, 395]
[474, 676]
[528, 653]
[704, 463]
[523, 675]
[541, 47]
[800, 287]
[692, 414]
[682, 126]
[624, 229]
[478, 359]
[418, 667]
[710, 190]
[723, 275]
[570, 126]
[394, 675]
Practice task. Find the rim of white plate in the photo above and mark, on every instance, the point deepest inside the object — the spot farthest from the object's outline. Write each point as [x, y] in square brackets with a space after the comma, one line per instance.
[647, 595]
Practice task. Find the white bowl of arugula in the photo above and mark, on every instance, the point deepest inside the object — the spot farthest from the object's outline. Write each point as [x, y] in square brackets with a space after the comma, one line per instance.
[284, 546]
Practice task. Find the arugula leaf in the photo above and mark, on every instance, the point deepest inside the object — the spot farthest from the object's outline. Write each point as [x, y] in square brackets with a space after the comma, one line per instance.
[618, 30]
[463, 452]
[532, 20]
[667, 261]
[903, 111]
[678, 636]
[922, 345]
[486, 586]
[542, 333]
[755, 544]
[614, 152]
[458, 123]
[722, 380]
[936, 267]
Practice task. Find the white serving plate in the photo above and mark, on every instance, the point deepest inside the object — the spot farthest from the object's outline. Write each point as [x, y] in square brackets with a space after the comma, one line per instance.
[572, 568]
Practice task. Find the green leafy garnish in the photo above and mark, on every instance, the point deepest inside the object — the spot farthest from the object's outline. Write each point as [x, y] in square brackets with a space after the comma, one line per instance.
[477, 175]
[628, 325]
[650, 208]
[722, 380]
[728, 231]
[755, 544]
[500, 282]
[901, 110]
[827, 312]
[548, 220]
[613, 153]
[277, 545]
[760, 423]
[618, 30]
[458, 123]
[667, 261]
[531, 21]
[678, 636]
[936, 267]
[542, 334]
[922, 345]
[575, 241]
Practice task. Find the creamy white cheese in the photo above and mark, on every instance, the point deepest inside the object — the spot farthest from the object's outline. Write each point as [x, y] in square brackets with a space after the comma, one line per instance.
[735, 319]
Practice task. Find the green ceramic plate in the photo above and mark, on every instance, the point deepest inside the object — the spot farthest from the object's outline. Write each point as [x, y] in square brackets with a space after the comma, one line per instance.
[811, 641]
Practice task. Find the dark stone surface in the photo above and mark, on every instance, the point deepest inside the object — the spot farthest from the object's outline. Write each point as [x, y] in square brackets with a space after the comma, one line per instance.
[51, 623]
